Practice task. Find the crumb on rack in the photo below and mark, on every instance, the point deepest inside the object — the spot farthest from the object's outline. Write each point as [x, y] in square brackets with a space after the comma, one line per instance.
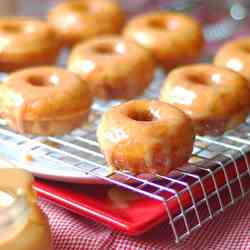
[52, 144]
[28, 157]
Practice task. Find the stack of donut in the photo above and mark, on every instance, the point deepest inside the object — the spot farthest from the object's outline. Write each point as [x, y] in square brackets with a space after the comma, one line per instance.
[113, 60]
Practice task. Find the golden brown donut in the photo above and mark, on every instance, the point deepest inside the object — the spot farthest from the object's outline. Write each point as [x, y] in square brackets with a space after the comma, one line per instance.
[79, 20]
[146, 137]
[216, 98]
[44, 101]
[26, 42]
[28, 233]
[173, 38]
[235, 55]
[113, 67]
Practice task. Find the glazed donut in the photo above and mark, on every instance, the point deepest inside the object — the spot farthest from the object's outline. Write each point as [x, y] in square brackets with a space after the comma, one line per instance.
[113, 67]
[173, 38]
[31, 230]
[146, 137]
[26, 42]
[235, 56]
[44, 101]
[216, 98]
[79, 20]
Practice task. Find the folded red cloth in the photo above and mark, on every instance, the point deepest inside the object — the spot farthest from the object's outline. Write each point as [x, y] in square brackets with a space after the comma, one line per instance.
[230, 230]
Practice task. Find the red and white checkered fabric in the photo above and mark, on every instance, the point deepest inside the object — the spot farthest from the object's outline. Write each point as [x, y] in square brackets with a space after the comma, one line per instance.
[230, 230]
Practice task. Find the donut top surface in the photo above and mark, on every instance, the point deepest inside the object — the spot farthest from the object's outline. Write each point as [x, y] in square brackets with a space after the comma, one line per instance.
[23, 33]
[164, 26]
[80, 19]
[153, 116]
[236, 56]
[205, 89]
[111, 52]
[85, 8]
[44, 92]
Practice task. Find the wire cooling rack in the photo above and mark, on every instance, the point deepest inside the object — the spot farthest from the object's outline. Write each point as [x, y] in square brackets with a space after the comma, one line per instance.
[216, 177]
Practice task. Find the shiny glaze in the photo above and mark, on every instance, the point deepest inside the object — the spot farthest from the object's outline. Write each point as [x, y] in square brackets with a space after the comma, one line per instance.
[173, 38]
[113, 67]
[145, 137]
[6, 199]
[44, 99]
[215, 98]
[235, 55]
[34, 233]
[26, 42]
[79, 20]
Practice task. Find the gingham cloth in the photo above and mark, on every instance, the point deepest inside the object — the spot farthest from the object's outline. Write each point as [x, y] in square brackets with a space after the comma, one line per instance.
[230, 230]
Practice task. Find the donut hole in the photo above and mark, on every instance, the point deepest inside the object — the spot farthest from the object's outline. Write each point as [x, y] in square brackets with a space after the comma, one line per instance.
[79, 7]
[141, 115]
[104, 49]
[41, 81]
[198, 79]
[157, 23]
[12, 28]
[246, 49]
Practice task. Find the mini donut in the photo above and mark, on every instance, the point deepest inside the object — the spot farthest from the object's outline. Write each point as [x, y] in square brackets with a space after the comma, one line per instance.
[145, 137]
[79, 20]
[173, 38]
[26, 42]
[113, 67]
[31, 229]
[235, 55]
[44, 101]
[217, 99]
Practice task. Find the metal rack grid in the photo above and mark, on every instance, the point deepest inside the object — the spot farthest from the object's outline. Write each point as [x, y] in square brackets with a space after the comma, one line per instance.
[198, 181]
